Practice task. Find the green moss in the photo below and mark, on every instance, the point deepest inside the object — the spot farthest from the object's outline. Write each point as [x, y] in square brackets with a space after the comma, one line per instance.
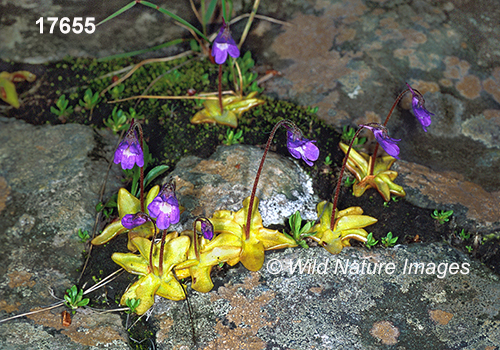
[168, 127]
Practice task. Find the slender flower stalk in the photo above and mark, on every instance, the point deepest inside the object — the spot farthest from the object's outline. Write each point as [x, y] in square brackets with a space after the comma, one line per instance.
[337, 189]
[298, 147]
[165, 209]
[132, 221]
[223, 46]
[422, 114]
[382, 136]
[207, 231]
[162, 246]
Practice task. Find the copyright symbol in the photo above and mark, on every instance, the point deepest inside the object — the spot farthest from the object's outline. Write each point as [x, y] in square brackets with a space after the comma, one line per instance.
[274, 266]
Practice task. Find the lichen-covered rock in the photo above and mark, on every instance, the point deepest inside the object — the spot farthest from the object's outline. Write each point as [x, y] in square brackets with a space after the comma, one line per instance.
[227, 177]
[416, 297]
[50, 180]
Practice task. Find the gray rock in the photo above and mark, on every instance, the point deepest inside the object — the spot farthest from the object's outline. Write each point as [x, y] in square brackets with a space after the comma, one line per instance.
[227, 177]
[50, 180]
[332, 304]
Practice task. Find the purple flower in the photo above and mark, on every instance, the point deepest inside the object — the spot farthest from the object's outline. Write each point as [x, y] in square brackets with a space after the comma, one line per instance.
[207, 230]
[382, 136]
[422, 114]
[129, 152]
[131, 221]
[224, 44]
[300, 147]
[165, 207]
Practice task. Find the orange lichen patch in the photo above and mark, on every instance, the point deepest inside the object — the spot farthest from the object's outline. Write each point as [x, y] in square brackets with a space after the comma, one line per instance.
[423, 87]
[440, 316]
[402, 53]
[389, 22]
[451, 188]
[165, 323]
[4, 306]
[445, 82]
[417, 59]
[245, 319]
[455, 69]
[413, 37]
[464, 67]
[369, 117]
[386, 332]
[88, 330]
[469, 87]
[420, 20]
[492, 114]
[4, 193]
[492, 84]
[314, 67]
[20, 279]
[316, 290]
[346, 34]
[314, 64]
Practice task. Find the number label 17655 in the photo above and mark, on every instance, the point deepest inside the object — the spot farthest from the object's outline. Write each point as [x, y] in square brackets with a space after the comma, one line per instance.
[65, 25]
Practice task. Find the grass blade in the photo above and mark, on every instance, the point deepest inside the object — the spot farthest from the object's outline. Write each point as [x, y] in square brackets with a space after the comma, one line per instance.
[117, 13]
[174, 16]
[210, 11]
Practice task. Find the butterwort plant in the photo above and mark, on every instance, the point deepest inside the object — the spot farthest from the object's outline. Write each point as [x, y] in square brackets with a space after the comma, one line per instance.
[223, 46]
[375, 172]
[252, 250]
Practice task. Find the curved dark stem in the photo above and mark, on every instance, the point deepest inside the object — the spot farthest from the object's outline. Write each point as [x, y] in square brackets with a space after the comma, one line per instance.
[141, 180]
[195, 240]
[254, 189]
[337, 189]
[152, 246]
[220, 90]
[160, 263]
[374, 155]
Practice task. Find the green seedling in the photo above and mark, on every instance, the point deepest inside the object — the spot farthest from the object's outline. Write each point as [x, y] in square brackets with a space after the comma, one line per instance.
[395, 199]
[370, 241]
[84, 235]
[108, 207]
[299, 232]
[249, 83]
[388, 240]
[132, 305]
[312, 110]
[464, 236]
[328, 160]
[74, 298]
[62, 111]
[469, 248]
[117, 91]
[349, 182]
[90, 100]
[118, 120]
[348, 134]
[232, 138]
[442, 216]
[386, 204]
[132, 114]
